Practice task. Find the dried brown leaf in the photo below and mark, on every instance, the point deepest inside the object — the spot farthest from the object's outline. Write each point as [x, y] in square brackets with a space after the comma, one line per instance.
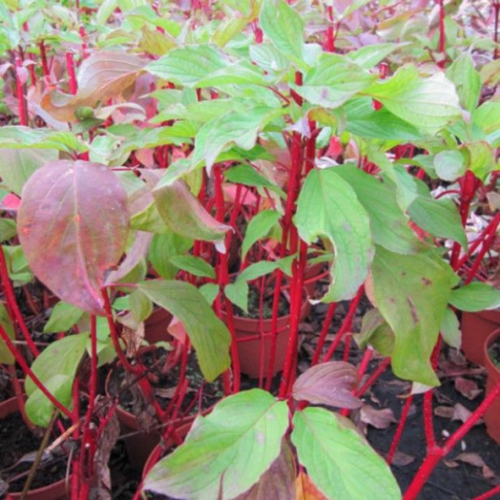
[444, 411]
[402, 459]
[461, 413]
[468, 388]
[380, 419]
[306, 489]
[133, 338]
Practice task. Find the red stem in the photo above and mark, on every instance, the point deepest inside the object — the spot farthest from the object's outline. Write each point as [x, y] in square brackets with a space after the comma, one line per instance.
[346, 324]
[223, 279]
[489, 494]
[12, 303]
[435, 455]
[442, 34]
[21, 102]
[399, 430]
[70, 63]
[27, 370]
[373, 377]
[324, 331]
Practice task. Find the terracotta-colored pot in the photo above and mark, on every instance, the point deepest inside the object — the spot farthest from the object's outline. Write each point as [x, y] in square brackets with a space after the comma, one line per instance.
[155, 327]
[249, 351]
[492, 416]
[59, 490]
[150, 462]
[476, 327]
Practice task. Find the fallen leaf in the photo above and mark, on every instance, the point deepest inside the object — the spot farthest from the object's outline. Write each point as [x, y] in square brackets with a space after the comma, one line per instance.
[468, 388]
[444, 411]
[402, 459]
[461, 413]
[133, 338]
[471, 459]
[380, 419]
[451, 464]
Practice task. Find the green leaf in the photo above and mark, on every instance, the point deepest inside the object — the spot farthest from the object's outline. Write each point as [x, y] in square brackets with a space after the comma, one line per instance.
[141, 306]
[5, 355]
[370, 55]
[333, 81]
[388, 223]
[475, 297]
[268, 57]
[8, 229]
[450, 329]
[284, 27]
[257, 270]
[467, 81]
[56, 368]
[237, 293]
[339, 461]
[449, 165]
[240, 128]
[438, 217]
[18, 165]
[427, 103]
[481, 158]
[63, 317]
[328, 206]
[258, 227]
[248, 176]
[362, 120]
[209, 291]
[188, 64]
[412, 293]
[376, 332]
[209, 336]
[164, 246]
[193, 265]
[240, 440]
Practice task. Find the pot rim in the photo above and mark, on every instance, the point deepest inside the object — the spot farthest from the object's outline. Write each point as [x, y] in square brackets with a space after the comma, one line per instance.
[490, 366]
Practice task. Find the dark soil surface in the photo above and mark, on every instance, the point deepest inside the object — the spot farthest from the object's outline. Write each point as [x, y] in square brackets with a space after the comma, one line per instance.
[18, 442]
[200, 394]
[454, 478]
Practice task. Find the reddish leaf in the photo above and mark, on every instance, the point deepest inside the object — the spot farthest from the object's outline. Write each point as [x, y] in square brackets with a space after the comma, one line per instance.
[306, 489]
[101, 76]
[177, 330]
[328, 384]
[73, 225]
[380, 419]
[278, 482]
[468, 388]
[185, 215]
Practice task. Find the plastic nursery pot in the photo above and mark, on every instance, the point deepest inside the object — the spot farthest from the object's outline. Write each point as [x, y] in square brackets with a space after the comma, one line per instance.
[476, 327]
[492, 416]
[60, 490]
[153, 457]
[249, 351]
[155, 327]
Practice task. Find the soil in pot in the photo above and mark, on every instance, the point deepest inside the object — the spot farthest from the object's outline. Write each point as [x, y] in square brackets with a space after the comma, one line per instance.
[492, 364]
[137, 415]
[18, 441]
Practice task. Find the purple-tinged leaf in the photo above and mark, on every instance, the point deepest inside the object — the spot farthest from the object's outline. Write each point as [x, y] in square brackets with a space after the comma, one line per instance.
[184, 214]
[278, 482]
[328, 384]
[102, 76]
[73, 224]
[138, 251]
